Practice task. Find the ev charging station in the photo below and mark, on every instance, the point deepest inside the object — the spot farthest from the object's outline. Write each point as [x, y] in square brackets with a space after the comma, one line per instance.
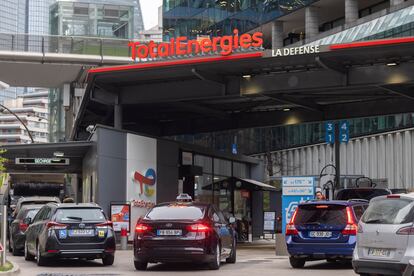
[294, 191]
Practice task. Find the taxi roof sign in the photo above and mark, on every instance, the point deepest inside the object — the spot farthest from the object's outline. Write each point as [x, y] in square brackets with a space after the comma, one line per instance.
[184, 198]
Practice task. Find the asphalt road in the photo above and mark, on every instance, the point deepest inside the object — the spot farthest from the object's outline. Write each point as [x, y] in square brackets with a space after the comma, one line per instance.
[251, 262]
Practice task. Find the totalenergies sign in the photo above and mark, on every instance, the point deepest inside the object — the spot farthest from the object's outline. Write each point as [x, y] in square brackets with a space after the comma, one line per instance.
[181, 46]
[146, 182]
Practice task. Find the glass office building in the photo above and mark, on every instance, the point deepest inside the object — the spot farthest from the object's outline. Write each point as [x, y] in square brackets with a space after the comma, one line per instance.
[113, 19]
[192, 18]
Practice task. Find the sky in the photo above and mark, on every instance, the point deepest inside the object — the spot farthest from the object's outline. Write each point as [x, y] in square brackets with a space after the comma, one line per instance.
[150, 12]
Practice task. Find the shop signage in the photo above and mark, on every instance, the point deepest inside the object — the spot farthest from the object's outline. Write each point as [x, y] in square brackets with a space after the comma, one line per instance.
[293, 51]
[141, 175]
[120, 216]
[181, 46]
[42, 161]
[294, 191]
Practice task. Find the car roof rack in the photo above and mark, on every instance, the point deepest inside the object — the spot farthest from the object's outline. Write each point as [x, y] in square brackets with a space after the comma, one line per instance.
[358, 200]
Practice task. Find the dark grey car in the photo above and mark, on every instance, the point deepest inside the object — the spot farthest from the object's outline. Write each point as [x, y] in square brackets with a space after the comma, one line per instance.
[69, 230]
[19, 226]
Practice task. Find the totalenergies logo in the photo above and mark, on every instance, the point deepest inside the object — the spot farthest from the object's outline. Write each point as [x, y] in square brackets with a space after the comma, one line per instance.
[180, 46]
[146, 182]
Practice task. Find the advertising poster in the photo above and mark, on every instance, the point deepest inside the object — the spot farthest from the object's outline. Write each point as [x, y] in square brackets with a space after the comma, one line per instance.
[294, 191]
[269, 221]
[120, 215]
[141, 175]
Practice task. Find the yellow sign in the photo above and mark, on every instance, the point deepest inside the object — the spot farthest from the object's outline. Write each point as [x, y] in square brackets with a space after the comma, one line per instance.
[101, 233]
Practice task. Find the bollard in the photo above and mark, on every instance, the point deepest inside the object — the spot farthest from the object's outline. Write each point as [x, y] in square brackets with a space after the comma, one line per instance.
[124, 239]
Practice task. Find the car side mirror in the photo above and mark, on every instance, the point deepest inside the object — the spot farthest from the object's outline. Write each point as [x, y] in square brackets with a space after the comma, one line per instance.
[232, 220]
[27, 221]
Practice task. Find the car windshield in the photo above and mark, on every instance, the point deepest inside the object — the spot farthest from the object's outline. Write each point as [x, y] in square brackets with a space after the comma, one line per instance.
[367, 194]
[176, 212]
[389, 211]
[80, 214]
[321, 214]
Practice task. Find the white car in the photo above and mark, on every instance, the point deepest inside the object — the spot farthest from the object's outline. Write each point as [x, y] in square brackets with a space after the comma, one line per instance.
[385, 239]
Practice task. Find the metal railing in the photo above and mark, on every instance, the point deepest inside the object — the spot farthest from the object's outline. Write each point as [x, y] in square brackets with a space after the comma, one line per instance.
[79, 45]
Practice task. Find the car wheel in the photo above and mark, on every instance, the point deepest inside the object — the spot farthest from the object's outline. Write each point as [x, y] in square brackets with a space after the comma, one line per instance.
[108, 259]
[297, 262]
[232, 258]
[215, 264]
[140, 265]
[331, 260]
[39, 259]
[15, 251]
[27, 255]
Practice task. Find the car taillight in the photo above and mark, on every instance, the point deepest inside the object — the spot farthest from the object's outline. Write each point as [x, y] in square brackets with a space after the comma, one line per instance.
[199, 227]
[408, 230]
[55, 225]
[141, 228]
[351, 227]
[105, 224]
[23, 226]
[290, 227]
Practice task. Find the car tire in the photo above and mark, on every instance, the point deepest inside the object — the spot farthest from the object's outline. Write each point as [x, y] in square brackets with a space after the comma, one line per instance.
[233, 255]
[215, 264]
[140, 265]
[331, 261]
[16, 252]
[39, 259]
[297, 262]
[108, 260]
[27, 255]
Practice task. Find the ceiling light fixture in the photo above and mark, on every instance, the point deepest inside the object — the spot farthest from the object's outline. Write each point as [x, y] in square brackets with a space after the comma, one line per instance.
[392, 64]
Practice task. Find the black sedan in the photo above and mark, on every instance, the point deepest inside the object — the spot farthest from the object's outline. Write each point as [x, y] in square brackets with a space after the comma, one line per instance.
[70, 230]
[19, 226]
[184, 231]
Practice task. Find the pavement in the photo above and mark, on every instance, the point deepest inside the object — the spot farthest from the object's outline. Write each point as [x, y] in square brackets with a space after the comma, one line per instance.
[250, 261]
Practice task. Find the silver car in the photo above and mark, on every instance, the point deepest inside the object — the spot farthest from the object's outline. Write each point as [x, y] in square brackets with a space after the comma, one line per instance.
[385, 239]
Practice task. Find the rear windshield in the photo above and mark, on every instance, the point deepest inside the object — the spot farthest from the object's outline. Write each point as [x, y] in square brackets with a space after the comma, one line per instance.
[176, 212]
[80, 214]
[28, 213]
[321, 214]
[367, 194]
[389, 211]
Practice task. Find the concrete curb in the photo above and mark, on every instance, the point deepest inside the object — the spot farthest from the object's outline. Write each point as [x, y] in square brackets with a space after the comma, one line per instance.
[14, 271]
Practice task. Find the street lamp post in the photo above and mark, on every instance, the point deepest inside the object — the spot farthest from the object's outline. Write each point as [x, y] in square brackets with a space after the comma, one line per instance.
[20, 120]
[3, 86]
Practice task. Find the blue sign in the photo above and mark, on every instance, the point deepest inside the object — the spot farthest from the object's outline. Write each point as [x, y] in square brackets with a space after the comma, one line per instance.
[234, 148]
[330, 132]
[294, 191]
[344, 132]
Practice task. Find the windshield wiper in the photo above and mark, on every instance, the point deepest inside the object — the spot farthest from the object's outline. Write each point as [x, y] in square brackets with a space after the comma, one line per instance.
[373, 220]
[312, 222]
[75, 218]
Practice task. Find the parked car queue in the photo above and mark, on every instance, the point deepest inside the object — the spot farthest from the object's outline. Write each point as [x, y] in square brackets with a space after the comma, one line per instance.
[377, 236]
[179, 231]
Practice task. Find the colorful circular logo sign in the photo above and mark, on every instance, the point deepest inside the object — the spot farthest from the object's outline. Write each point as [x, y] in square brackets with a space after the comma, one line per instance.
[146, 182]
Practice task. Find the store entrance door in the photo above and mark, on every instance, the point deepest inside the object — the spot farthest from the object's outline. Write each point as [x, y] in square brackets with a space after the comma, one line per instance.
[242, 213]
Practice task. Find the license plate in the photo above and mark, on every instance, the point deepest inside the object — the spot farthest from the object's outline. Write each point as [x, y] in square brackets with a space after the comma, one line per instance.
[377, 252]
[82, 233]
[169, 232]
[320, 234]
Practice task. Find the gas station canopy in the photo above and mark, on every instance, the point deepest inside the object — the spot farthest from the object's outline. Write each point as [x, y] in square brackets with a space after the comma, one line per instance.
[243, 90]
